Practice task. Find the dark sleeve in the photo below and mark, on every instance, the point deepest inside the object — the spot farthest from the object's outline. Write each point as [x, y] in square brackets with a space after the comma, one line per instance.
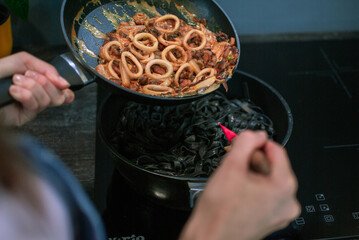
[87, 223]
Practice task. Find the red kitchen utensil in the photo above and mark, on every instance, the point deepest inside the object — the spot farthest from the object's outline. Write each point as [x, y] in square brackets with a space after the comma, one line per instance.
[259, 162]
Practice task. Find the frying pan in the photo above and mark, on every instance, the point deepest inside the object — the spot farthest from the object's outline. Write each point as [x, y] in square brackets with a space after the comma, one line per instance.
[84, 22]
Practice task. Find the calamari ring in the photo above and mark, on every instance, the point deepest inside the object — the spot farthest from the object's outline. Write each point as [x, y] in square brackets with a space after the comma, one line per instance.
[142, 46]
[188, 35]
[136, 53]
[102, 70]
[166, 83]
[151, 57]
[219, 49]
[140, 18]
[167, 42]
[195, 66]
[165, 17]
[124, 77]
[179, 71]
[161, 62]
[135, 61]
[205, 83]
[211, 72]
[157, 90]
[110, 69]
[104, 51]
[168, 49]
[129, 30]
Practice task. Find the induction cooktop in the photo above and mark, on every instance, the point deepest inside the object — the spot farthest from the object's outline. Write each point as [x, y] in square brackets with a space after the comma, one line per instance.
[320, 82]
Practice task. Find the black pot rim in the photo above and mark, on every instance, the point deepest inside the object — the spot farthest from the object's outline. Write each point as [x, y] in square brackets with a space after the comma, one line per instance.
[115, 153]
[4, 12]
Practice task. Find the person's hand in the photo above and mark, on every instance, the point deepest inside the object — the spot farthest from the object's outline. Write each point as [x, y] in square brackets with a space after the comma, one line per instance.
[36, 86]
[240, 204]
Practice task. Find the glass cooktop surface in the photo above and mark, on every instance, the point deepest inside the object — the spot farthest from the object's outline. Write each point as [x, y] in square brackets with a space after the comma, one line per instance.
[320, 82]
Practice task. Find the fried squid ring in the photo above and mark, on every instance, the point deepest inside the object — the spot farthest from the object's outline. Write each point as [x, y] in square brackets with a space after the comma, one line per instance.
[179, 71]
[151, 57]
[195, 66]
[124, 77]
[140, 18]
[219, 49]
[156, 90]
[166, 83]
[205, 83]
[103, 71]
[167, 51]
[129, 30]
[105, 50]
[140, 45]
[162, 63]
[137, 53]
[167, 43]
[211, 72]
[189, 34]
[135, 61]
[115, 63]
[167, 17]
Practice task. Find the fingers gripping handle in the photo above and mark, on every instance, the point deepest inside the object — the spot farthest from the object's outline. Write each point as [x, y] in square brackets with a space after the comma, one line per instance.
[5, 97]
[63, 64]
[259, 163]
[67, 66]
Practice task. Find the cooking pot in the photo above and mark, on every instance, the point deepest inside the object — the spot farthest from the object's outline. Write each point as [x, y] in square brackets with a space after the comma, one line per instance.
[182, 192]
[84, 22]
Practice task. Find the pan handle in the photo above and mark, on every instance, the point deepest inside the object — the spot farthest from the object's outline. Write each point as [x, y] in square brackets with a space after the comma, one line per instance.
[71, 69]
[195, 190]
[5, 97]
[67, 66]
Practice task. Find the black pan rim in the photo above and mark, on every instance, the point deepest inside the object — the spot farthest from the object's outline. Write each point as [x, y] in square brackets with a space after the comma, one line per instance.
[128, 91]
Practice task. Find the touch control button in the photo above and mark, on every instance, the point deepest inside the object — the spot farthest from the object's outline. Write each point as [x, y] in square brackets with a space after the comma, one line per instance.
[324, 207]
[300, 221]
[310, 208]
[320, 197]
[328, 218]
[355, 215]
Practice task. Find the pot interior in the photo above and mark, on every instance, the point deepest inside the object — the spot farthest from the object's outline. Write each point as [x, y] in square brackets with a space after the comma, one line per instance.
[242, 86]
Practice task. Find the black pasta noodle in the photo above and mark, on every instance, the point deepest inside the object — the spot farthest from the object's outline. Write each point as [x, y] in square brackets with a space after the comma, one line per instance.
[184, 140]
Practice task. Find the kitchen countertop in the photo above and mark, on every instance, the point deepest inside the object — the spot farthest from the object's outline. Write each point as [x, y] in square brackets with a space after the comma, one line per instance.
[68, 130]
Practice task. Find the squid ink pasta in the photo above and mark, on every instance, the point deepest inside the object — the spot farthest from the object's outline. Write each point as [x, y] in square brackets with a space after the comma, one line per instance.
[184, 140]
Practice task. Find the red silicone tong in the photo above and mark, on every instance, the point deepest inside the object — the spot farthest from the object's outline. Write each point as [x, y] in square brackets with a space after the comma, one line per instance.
[259, 162]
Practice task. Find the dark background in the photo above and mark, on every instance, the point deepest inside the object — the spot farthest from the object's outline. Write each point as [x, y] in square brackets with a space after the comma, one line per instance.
[254, 17]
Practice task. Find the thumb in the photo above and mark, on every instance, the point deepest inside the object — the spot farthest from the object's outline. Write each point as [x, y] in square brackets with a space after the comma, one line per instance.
[245, 145]
[69, 96]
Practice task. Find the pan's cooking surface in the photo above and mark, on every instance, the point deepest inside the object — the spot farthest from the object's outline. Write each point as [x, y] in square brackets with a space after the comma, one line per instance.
[85, 24]
[96, 19]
